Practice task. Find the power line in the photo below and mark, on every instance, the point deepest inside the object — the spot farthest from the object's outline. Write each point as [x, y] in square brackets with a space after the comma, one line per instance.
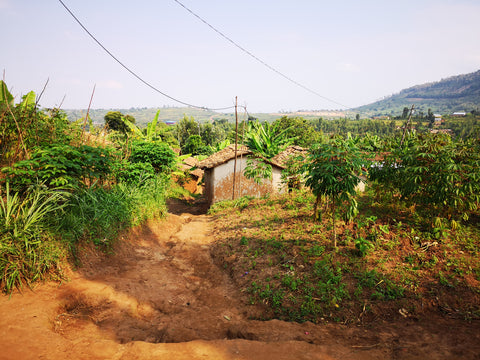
[258, 59]
[132, 72]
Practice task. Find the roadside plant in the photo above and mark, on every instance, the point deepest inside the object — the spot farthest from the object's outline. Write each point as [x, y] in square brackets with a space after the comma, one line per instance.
[27, 251]
[333, 170]
[159, 155]
[61, 165]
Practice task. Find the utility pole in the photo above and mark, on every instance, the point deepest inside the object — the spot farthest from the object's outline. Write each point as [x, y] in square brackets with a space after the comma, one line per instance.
[236, 144]
[407, 125]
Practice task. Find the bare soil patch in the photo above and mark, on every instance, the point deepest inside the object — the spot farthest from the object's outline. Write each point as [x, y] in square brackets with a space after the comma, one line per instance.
[162, 295]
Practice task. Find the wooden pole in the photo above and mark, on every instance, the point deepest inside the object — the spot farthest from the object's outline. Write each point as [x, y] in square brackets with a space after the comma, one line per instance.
[407, 124]
[236, 144]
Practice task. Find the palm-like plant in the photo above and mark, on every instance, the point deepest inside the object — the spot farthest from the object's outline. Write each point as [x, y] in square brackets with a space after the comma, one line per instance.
[265, 140]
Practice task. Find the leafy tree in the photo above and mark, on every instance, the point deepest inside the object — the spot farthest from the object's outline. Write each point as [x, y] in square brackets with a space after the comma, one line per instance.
[195, 146]
[212, 134]
[332, 170]
[113, 120]
[185, 128]
[299, 130]
[430, 118]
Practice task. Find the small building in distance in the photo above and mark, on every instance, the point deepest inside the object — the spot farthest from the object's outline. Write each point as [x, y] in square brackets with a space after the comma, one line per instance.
[219, 175]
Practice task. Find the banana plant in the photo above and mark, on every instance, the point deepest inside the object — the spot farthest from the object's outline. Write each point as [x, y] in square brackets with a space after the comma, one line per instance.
[151, 133]
[265, 140]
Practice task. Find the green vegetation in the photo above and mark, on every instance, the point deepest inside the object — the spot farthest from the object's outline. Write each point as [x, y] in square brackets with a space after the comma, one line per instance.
[410, 243]
[385, 262]
[333, 171]
[413, 246]
[456, 93]
[62, 188]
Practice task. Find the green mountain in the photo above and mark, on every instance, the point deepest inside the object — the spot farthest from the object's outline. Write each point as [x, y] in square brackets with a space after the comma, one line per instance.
[456, 93]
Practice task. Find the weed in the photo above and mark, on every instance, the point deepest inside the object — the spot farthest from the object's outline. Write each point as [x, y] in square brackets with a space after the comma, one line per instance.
[363, 245]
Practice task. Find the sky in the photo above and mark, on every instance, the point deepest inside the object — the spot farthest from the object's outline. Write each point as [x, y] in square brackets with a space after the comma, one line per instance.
[336, 54]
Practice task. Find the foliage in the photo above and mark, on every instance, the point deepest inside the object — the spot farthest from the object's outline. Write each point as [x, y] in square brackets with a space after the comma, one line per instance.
[333, 170]
[132, 173]
[23, 127]
[195, 146]
[185, 128]
[293, 175]
[26, 249]
[154, 131]
[266, 140]
[299, 130]
[257, 170]
[159, 155]
[115, 120]
[436, 173]
[98, 214]
[61, 165]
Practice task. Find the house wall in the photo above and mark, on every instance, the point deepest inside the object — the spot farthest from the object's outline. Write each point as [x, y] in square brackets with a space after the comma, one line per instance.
[219, 182]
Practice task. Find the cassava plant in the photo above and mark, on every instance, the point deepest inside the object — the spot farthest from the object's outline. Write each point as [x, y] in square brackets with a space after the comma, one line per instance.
[333, 170]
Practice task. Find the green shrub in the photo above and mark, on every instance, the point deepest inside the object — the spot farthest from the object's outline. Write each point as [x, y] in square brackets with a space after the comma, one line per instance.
[133, 173]
[159, 155]
[61, 165]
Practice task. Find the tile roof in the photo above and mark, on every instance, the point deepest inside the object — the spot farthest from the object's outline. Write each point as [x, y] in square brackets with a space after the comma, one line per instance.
[227, 154]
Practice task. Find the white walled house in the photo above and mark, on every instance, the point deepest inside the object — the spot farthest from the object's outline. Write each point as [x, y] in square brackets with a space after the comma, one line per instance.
[219, 174]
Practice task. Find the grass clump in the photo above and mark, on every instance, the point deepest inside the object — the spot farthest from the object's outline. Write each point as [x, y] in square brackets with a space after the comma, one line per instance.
[27, 249]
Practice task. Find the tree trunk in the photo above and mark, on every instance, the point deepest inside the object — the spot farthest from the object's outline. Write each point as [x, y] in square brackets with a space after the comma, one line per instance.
[333, 223]
[315, 207]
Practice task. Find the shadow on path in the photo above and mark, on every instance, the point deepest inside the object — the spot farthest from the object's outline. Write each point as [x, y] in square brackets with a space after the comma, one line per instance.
[195, 207]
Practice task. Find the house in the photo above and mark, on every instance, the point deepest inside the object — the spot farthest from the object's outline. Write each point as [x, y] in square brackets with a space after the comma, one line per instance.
[219, 174]
[459, 114]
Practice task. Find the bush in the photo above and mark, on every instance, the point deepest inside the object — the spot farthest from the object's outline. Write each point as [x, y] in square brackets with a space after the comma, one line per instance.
[133, 173]
[61, 165]
[159, 155]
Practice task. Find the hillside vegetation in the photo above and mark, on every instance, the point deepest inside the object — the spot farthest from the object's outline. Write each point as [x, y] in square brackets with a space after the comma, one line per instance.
[456, 93]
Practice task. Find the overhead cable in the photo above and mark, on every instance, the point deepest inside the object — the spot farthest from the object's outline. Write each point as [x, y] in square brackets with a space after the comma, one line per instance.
[132, 72]
[257, 58]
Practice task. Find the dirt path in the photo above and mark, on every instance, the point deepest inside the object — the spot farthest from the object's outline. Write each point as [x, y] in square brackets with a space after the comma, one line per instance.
[162, 297]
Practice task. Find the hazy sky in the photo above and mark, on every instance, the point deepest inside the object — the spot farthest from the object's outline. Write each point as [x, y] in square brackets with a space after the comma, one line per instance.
[351, 51]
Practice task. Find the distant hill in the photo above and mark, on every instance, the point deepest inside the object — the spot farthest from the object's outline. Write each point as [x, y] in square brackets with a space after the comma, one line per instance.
[456, 93]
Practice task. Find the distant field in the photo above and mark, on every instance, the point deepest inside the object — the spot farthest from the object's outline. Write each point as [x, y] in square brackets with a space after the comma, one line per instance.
[145, 115]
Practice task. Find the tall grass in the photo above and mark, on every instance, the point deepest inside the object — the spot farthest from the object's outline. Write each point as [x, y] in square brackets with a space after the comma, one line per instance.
[38, 227]
[99, 214]
[27, 250]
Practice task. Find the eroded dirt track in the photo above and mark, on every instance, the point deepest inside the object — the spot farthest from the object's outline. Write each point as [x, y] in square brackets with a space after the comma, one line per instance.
[161, 296]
